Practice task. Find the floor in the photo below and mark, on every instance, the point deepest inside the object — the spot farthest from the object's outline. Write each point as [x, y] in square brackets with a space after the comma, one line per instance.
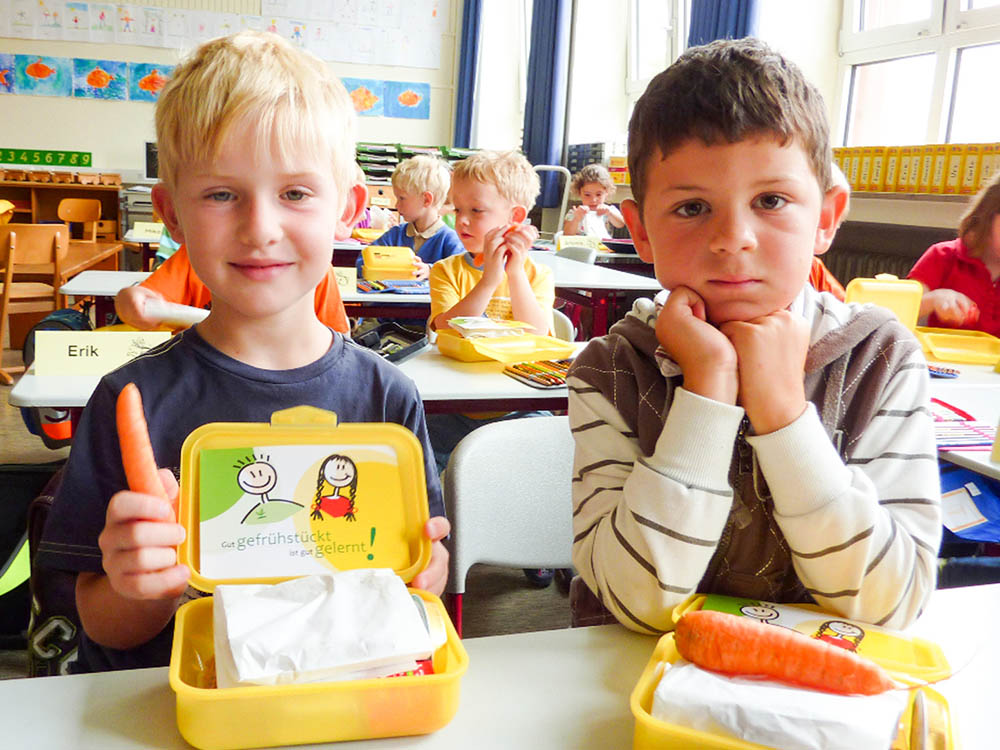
[497, 600]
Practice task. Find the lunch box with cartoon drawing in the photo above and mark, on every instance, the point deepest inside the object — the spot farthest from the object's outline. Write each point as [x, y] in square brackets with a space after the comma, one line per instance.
[264, 503]
[910, 660]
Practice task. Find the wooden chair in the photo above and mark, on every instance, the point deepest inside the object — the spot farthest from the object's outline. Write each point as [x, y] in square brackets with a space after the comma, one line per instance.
[29, 252]
[85, 211]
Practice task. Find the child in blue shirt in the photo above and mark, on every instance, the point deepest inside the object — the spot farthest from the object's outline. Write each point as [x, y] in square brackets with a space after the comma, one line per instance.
[421, 185]
[256, 146]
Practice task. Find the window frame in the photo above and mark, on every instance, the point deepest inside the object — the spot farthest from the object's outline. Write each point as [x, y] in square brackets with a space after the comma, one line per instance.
[959, 29]
[677, 40]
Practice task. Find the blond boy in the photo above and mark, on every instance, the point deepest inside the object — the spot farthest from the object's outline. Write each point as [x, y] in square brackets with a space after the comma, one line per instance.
[420, 185]
[492, 193]
[256, 160]
[745, 434]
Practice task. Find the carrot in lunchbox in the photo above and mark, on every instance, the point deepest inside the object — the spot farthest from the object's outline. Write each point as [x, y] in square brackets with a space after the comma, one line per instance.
[742, 646]
[133, 437]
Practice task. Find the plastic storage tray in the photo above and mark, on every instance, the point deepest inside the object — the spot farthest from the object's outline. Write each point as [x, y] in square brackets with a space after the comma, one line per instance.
[391, 497]
[507, 349]
[957, 345]
[906, 657]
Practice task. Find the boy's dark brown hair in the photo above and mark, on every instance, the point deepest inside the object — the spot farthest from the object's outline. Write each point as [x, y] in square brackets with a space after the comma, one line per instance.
[977, 222]
[725, 92]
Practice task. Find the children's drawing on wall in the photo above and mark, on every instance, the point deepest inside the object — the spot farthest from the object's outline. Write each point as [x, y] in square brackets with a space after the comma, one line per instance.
[126, 26]
[100, 79]
[6, 73]
[76, 22]
[367, 95]
[43, 76]
[337, 475]
[408, 100]
[49, 19]
[102, 22]
[146, 80]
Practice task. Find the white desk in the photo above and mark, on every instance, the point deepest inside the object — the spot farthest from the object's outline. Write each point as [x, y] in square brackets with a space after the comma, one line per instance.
[448, 385]
[593, 286]
[550, 690]
[977, 391]
[101, 283]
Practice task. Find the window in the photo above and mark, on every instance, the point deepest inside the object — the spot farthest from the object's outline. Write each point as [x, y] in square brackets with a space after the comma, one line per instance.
[657, 34]
[918, 71]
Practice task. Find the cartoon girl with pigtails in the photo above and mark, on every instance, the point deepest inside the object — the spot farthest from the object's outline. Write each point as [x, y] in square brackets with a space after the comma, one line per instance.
[338, 473]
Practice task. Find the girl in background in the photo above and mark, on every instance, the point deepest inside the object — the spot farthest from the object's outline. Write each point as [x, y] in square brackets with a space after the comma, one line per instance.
[593, 216]
[960, 276]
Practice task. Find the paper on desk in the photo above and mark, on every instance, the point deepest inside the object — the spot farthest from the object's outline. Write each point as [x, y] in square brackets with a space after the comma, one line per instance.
[776, 715]
[356, 623]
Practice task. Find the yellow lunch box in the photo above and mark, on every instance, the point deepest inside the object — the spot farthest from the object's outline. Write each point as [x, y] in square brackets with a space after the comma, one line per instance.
[263, 503]
[902, 296]
[908, 659]
[386, 262]
[510, 350]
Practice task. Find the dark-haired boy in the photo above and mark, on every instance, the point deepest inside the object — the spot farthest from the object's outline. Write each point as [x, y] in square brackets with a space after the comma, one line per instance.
[744, 434]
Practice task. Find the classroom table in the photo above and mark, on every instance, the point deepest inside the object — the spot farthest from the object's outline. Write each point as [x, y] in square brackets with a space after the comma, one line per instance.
[593, 286]
[977, 391]
[346, 252]
[547, 690]
[147, 248]
[102, 286]
[449, 385]
[387, 305]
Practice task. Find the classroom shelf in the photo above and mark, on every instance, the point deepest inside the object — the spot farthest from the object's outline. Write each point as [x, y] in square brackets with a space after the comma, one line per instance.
[940, 211]
[37, 202]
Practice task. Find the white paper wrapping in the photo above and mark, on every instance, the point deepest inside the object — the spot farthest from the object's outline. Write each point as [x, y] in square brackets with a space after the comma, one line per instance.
[357, 623]
[776, 715]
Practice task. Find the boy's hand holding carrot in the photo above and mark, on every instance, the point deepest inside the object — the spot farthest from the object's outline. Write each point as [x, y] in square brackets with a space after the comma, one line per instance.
[771, 352]
[141, 533]
[518, 239]
[706, 357]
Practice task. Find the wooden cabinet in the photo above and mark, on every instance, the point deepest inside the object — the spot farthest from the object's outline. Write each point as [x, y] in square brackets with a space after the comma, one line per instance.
[37, 202]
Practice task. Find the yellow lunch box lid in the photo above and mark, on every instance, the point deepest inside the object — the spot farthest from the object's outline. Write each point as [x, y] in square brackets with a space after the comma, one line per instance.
[387, 262]
[506, 349]
[367, 234]
[902, 296]
[266, 502]
[959, 345]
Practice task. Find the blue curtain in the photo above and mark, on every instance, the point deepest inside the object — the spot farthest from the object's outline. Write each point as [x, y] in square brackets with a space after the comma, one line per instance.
[721, 19]
[548, 81]
[469, 57]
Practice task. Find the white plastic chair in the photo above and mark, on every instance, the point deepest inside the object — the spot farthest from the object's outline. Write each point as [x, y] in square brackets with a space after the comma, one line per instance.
[562, 326]
[507, 492]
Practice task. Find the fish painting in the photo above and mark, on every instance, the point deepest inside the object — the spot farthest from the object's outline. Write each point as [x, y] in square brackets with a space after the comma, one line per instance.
[39, 70]
[409, 98]
[3, 77]
[99, 78]
[152, 82]
[364, 99]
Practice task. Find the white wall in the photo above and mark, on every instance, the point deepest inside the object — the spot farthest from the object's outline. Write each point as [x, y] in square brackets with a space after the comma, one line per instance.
[116, 131]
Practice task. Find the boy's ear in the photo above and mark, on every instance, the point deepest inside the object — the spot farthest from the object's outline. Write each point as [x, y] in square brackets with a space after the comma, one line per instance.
[163, 204]
[633, 220]
[518, 214]
[428, 199]
[832, 213]
[354, 206]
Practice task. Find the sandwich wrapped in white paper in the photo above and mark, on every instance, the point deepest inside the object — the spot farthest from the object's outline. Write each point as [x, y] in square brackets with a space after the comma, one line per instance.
[348, 625]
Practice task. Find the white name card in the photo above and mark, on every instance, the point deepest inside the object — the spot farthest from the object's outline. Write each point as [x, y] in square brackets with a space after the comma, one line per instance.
[90, 352]
[347, 279]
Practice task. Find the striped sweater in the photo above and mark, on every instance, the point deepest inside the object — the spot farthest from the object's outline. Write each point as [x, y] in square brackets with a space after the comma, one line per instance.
[672, 494]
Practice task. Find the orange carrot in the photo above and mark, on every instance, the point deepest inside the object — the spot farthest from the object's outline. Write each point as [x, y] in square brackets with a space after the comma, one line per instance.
[133, 437]
[742, 646]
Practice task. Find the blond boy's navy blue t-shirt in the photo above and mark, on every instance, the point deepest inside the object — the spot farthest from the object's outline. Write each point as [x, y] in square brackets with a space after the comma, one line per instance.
[186, 383]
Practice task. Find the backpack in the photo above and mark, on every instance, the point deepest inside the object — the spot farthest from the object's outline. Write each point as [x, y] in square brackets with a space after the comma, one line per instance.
[53, 425]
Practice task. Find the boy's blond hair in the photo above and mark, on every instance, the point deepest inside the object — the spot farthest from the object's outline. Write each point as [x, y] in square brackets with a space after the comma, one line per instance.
[421, 174]
[593, 173]
[977, 222]
[508, 171]
[725, 92]
[258, 81]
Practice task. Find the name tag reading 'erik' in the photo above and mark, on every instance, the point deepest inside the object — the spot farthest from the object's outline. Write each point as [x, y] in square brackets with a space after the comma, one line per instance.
[90, 352]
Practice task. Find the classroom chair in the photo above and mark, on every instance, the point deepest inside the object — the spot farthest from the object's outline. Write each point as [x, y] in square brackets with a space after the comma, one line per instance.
[508, 495]
[562, 326]
[30, 270]
[85, 211]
